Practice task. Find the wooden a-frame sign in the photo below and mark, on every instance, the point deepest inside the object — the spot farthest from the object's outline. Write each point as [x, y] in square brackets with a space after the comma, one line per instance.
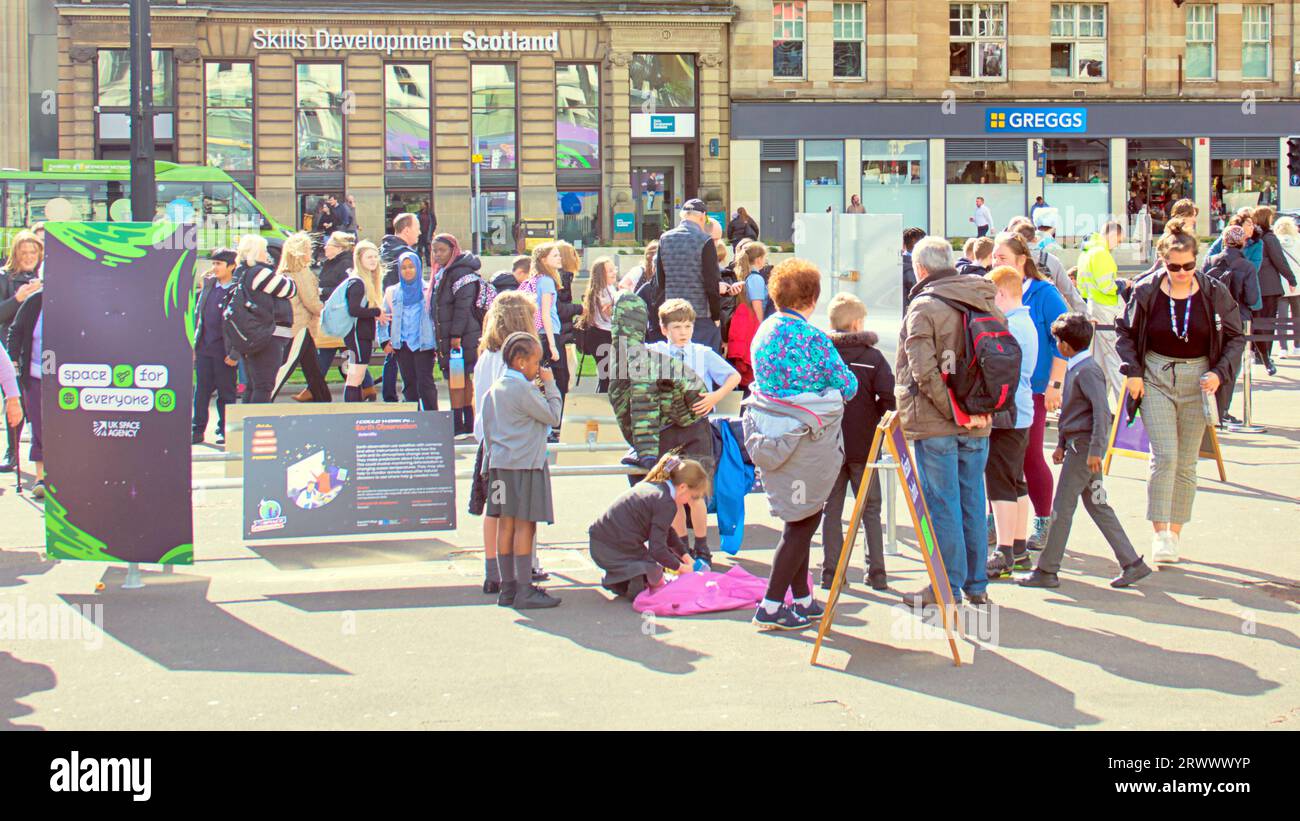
[1132, 441]
[891, 435]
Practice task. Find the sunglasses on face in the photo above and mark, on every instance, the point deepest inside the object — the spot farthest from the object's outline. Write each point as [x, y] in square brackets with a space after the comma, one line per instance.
[1173, 269]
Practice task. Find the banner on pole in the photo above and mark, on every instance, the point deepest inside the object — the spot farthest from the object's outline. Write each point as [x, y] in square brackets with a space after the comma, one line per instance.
[116, 390]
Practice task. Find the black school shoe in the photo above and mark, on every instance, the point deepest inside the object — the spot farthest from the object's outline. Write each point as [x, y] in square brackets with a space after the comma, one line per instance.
[1133, 573]
[783, 619]
[491, 587]
[1040, 578]
[535, 598]
[507, 593]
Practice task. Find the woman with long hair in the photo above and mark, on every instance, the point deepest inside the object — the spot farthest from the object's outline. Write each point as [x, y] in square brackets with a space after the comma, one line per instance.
[544, 283]
[259, 280]
[647, 287]
[741, 227]
[752, 273]
[364, 286]
[295, 263]
[456, 285]
[597, 310]
[1179, 336]
[19, 279]
[1045, 304]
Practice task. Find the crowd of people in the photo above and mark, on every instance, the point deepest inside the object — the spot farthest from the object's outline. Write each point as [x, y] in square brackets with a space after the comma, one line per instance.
[700, 318]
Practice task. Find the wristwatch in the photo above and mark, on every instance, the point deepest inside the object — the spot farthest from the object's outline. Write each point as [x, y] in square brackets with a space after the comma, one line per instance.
[1056, 385]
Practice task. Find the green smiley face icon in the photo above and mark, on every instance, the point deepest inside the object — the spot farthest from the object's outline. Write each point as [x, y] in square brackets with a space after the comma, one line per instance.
[122, 376]
[68, 398]
[165, 400]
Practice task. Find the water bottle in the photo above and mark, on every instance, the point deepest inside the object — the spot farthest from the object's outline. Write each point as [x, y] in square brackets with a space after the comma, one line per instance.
[457, 367]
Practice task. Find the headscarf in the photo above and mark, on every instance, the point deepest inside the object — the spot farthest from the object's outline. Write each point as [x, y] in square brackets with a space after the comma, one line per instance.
[1234, 236]
[412, 292]
[454, 244]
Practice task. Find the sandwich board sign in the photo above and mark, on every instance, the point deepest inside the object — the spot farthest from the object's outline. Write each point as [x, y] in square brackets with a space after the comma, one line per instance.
[890, 434]
[1129, 438]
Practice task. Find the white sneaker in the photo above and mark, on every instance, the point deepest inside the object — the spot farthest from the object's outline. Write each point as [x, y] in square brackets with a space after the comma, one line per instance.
[1164, 547]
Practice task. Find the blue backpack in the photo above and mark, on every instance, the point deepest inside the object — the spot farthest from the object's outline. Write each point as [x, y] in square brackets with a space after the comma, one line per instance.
[335, 320]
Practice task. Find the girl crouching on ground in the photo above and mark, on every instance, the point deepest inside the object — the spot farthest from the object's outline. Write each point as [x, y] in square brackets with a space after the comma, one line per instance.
[634, 541]
[516, 422]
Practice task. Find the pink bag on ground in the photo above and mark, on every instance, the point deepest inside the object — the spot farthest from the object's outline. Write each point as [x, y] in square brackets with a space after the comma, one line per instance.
[706, 592]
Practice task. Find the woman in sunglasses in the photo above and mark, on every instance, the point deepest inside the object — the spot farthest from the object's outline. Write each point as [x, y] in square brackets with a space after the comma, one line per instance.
[1178, 337]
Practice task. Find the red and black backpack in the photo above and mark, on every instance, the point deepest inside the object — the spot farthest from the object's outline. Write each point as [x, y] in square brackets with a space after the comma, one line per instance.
[984, 381]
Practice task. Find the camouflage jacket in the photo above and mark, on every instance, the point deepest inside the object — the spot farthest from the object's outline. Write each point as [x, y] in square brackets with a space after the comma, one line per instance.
[648, 390]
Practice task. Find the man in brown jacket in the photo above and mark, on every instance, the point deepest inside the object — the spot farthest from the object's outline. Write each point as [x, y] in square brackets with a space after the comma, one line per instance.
[950, 457]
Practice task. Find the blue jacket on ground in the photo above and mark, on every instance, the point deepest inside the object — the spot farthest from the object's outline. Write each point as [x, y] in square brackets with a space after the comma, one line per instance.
[732, 479]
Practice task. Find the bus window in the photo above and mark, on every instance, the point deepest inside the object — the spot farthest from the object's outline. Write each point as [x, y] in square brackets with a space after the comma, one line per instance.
[246, 213]
[217, 199]
[57, 201]
[15, 206]
[180, 201]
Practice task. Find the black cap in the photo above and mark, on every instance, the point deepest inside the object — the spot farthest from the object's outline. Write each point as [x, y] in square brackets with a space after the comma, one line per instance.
[222, 255]
[696, 205]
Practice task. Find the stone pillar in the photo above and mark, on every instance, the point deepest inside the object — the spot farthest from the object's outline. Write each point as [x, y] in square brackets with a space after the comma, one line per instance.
[276, 137]
[746, 176]
[14, 89]
[938, 190]
[189, 106]
[363, 87]
[1201, 183]
[852, 170]
[617, 128]
[76, 99]
[536, 89]
[714, 124]
[1119, 179]
[451, 177]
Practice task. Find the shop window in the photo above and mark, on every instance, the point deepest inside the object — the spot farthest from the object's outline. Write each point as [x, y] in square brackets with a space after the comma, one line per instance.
[113, 103]
[1159, 173]
[497, 223]
[319, 98]
[1257, 42]
[401, 202]
[1199, 64]
[895, 179]
[849, 33]
[228, 115]
[788, 22]
[577, 116]
[823, 178]
[984, 171]
[1078, 41]
[494, 113]
[662, 82]
[578, 217]
[1242, 183]
[407, 140]
[977, 40]
[1077, 185]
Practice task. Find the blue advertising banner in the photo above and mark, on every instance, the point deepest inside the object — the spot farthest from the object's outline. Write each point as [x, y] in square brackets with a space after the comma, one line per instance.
[1027, 120]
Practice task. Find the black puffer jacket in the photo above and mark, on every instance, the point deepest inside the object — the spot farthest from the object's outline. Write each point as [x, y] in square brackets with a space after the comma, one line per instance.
[10, 282]
[19, 338]
[453, 309]
[1235, 272]
[390, 248]
[266, 286]
[567, 309]
[1221, 310]
[1274, 267]
[332, 274]
[875, 396]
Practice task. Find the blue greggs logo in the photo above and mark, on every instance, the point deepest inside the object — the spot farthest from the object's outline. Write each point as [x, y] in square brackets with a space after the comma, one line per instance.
[1037, 120]
[662, 124]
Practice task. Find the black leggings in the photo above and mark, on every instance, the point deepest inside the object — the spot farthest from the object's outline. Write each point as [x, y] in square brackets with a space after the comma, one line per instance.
[560, 368]
[262, 367]
[1269, 310]
[418, 384]
[309, 361]
[790, 565]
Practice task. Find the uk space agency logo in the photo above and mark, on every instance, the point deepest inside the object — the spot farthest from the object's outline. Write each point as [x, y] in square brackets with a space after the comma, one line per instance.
[115, 429]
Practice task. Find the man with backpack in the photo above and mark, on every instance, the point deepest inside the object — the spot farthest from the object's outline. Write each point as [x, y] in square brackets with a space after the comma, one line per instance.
[951, 445]
[215, 360]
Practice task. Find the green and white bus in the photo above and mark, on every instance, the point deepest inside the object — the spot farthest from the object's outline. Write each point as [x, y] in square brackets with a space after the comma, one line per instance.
[100, 191]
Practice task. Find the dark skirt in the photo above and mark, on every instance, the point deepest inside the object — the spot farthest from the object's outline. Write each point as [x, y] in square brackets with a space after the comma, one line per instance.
[478, 485]
[624, 562]
[520, 494]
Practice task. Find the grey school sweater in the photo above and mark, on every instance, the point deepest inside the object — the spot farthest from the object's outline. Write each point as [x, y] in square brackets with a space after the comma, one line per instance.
[1085, 411]
[516, 420]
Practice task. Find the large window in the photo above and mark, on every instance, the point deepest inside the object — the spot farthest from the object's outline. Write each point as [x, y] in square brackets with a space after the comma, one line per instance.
[1159, 174]
[1257, 42]
[1078, 41]
[577, 116]
[319, 102]
[895, 179]
[578, 214]
[849, 30]
[497, 222]
[407, 143]
[662, 81]
[788, 20]
[977, 40]
[1242, 183]
[228, 115]
[993, 170]
[823, 176]
[1078, 185]
[494, 113]
[1200, 41]
[113, 104]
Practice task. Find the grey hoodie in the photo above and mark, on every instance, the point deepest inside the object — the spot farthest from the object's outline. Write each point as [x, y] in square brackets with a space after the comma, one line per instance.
[798, 446]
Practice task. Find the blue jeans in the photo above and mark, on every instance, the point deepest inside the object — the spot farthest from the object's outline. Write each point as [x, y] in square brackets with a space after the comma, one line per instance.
[951, 470]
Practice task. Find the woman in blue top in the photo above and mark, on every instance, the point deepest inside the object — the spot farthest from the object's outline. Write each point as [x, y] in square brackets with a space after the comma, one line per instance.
[1045, 304]
[409, 334]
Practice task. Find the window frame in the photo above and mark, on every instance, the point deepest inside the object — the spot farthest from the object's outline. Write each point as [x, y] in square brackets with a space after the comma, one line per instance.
[343, 142]
[1212, 42]
[860, 40]
[252, 110]
[979, 21]
[597, 109]
[428, 109]
[169, 145]
[487, 191]
[473, 110]
[1267, 42]
[802, 23]
[1075, 39]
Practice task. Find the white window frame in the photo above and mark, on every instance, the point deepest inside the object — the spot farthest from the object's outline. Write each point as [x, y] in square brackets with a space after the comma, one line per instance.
[983, 25]
[1202, 25]
[856, 29]
[1262, 29]
[1069, 28]
[794, 29]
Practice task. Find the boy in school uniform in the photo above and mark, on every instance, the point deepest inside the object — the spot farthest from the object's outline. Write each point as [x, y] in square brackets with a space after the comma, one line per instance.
[1085, 428]
[677, 321]
[862, 414]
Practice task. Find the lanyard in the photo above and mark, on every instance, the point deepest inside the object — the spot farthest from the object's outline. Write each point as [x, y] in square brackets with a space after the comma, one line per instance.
[1187, 318]
[794, 314]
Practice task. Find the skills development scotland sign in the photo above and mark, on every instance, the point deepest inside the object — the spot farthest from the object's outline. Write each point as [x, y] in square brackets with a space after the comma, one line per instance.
[1013, 120]
[116, 391]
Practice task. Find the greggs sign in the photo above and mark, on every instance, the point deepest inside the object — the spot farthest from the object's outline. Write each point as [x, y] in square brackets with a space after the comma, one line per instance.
[1036, 120]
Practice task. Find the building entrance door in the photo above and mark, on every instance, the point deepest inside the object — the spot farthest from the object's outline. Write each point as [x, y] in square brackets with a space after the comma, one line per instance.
[776, 203]
[653, 187]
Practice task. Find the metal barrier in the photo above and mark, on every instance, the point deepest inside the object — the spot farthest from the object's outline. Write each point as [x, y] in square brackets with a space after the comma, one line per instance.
[1283, 330]
[461, 450]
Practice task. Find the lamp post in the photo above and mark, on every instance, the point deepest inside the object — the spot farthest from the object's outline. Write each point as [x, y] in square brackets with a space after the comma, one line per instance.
[144, 189]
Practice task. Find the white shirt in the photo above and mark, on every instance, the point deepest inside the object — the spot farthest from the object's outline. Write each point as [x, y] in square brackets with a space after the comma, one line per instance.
[983, 216]
[1077, 358]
